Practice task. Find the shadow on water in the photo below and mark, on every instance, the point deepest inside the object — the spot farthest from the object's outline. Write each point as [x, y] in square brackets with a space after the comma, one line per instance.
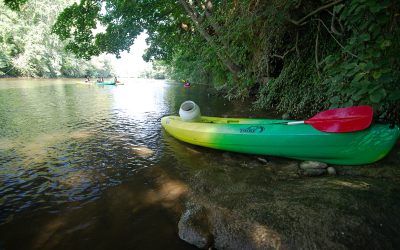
[140, 213]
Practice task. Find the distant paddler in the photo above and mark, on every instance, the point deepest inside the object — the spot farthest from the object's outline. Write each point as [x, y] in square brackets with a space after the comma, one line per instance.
[116, 81]
[186, 83]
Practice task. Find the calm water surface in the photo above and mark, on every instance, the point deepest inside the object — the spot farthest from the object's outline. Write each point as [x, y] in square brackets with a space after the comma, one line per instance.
[90, 167]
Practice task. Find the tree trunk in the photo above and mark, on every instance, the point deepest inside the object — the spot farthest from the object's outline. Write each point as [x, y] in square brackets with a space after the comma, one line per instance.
[198, 22]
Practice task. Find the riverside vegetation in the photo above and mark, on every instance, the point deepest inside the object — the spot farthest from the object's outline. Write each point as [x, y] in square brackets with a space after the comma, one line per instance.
[294, 56]
[29, 49]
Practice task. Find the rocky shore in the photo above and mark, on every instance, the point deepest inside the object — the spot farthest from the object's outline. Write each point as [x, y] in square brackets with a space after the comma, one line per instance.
[275, 203]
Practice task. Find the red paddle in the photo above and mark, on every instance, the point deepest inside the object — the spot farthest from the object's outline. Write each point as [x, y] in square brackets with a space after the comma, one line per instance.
[340, 120]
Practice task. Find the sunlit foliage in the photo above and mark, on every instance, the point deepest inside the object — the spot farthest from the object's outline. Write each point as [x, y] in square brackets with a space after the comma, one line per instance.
[28, 48]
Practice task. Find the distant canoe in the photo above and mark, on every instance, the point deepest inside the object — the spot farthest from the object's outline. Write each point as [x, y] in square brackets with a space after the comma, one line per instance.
[105, 83]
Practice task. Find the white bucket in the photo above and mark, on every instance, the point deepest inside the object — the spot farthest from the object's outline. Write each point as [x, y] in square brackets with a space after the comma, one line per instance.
[189, 111]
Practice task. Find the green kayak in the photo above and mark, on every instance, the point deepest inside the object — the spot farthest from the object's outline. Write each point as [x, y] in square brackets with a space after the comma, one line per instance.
[260, 136]
[105, 83]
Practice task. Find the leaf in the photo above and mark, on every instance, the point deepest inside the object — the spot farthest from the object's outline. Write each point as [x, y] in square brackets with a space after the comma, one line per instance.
[385, 44]
[376, 74]
[378, 95]
[358, 77]
[357, 96]
[349, 66]
[363, 66]
[335, 100]
[348, 103]
[365, 37]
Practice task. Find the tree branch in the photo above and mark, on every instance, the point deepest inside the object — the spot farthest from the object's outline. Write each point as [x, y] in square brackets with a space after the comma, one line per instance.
[300, 22]
[333, 29]
[334, 38]
[283, 56]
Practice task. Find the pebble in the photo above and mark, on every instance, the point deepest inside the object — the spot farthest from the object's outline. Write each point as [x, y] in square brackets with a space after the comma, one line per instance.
[331, 171]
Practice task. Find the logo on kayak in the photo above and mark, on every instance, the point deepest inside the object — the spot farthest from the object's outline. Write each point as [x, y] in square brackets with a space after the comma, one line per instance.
[252, 129]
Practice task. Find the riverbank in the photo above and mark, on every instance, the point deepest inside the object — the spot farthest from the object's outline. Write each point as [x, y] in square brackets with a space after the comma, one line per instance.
[248, 202]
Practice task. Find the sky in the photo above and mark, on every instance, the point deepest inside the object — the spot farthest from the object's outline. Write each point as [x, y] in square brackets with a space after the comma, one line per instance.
[131, 64]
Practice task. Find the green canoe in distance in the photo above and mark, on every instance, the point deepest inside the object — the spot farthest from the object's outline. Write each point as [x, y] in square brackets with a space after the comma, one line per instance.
[105, 83]
[260, 136]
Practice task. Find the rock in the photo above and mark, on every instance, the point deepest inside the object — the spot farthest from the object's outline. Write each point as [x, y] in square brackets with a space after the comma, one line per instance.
[314, 172]
[193, 227]
[331, 171]
[313, 165]
[232, 231]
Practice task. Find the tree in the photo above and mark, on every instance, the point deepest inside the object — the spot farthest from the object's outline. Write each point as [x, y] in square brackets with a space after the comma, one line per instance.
[294, 56]
[28, 47]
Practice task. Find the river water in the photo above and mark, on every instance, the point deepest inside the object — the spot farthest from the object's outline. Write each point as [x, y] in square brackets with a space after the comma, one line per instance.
[89, 166]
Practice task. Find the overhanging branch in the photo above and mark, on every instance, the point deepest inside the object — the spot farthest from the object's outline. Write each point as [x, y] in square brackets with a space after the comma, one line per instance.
[300, 21]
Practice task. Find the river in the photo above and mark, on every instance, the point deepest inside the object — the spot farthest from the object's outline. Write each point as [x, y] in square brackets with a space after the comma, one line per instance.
[90, 167]
[91, 164]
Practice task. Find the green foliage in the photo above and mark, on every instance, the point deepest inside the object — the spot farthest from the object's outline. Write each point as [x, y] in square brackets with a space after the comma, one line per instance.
[27, 47]
[305, 100]
[75, 24]
[366, 70]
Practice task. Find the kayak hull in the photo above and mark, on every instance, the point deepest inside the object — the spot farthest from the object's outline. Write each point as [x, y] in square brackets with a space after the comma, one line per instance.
[303, 142]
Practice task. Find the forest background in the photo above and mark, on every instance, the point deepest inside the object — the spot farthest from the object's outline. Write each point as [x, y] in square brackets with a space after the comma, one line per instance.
[28, 48]
[293, 56]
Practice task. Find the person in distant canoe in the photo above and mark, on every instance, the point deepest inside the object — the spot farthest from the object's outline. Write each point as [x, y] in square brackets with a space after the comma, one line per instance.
[87, 79]
[186, 83]
[116, 80]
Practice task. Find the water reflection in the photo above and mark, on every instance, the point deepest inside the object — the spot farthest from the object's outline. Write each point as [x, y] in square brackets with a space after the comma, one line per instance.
[141, 98]
[64, 142]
